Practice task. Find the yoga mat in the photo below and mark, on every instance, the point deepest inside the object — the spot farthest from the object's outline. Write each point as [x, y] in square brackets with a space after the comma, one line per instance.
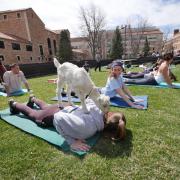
[115, 101]
[48, 134]
[17, 93]
[162, 85]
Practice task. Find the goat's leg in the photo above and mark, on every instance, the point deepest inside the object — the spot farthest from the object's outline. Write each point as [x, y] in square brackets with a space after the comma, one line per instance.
[84, 107]
[69, 96]
[58, 91]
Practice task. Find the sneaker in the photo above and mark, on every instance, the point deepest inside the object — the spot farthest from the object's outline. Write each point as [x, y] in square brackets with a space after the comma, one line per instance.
[12, 108]
[30, 103]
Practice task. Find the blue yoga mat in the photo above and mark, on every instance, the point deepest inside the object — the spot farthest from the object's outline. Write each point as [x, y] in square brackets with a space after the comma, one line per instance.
[115, 101]
[162, 85]
[48, 134]
[16, 93]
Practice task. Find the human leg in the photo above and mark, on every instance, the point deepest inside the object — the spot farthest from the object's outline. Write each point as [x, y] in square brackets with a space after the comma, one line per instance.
[143, 81]
[42, 118]
[134, 76]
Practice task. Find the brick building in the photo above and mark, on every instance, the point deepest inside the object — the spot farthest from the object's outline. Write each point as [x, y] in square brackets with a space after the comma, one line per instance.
[80, 48]
[129, 36]
[25, 39]
[173, 44]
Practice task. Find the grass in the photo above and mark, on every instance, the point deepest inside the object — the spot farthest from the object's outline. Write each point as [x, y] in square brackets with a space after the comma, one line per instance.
[150, 151]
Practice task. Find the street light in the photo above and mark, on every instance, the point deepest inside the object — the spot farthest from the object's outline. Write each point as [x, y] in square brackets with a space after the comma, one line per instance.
[124, 27]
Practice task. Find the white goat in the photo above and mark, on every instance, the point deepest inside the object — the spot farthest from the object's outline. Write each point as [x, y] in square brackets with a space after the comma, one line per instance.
[78, 80]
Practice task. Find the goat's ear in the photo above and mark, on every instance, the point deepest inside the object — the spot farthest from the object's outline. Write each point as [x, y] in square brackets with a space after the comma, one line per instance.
[56, 63]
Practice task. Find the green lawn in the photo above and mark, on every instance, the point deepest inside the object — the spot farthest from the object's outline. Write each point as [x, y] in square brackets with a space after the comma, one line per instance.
[150, 151]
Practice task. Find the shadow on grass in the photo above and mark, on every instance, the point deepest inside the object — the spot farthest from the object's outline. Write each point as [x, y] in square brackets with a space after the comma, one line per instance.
[113, 149]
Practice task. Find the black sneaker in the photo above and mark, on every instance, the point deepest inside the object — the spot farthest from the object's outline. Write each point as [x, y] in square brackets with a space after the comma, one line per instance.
[30, 103]
[12, 108]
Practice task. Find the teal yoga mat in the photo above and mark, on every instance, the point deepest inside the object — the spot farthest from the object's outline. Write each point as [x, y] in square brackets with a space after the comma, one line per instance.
[17, 93]
[162, 85]
[48, 134]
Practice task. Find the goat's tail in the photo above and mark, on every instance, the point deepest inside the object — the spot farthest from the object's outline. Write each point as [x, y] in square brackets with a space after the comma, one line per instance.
[56, 63]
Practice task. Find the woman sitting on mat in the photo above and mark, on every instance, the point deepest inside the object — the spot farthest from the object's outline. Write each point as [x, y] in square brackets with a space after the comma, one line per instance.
[116, 86]
[71, 122]
[162, 74]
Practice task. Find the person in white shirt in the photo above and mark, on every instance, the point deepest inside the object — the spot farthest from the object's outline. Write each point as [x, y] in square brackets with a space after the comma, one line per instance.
[13, 80]
[71, 122]
[161, 75]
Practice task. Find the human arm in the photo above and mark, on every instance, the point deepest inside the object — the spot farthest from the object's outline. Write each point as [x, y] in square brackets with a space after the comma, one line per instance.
[127, 100]
[165, 73]
[27, 86]
[24, 80]
[126, 90]
[80, 145]
[6, 82]
[72, 127]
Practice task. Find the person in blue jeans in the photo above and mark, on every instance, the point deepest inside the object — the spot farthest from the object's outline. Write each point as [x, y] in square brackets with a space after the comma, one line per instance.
[115, 85]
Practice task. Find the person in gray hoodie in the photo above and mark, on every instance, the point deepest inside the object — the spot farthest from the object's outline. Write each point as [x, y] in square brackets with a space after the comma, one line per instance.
[71, 122]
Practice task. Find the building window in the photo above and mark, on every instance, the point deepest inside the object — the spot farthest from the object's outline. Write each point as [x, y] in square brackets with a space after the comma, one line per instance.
[2, 45]
[1, 57]
[18, 15]
[50, 51]
[18, 58]
[55, 48]
[16, 46]
[41, 50]
[31, 58]
[5, 17]
[49, 43]
[28, 47]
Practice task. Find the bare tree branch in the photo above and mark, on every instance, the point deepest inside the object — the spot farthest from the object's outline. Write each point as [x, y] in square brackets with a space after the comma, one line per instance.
[92, 24]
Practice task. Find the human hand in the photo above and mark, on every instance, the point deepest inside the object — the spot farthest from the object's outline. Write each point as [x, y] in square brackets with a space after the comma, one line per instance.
[30, 90]
[80, 145]
[138, 100]
[138, 106]
[172, 86]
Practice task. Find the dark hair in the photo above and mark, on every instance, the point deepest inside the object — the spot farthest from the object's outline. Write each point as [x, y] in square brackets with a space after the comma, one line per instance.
[13, 65]
[168, 56]
[116, 126]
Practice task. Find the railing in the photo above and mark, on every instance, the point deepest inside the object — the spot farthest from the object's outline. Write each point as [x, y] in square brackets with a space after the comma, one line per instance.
[47, 68]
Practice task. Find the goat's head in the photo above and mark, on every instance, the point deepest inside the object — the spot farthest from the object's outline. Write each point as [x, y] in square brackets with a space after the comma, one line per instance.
[104, 102]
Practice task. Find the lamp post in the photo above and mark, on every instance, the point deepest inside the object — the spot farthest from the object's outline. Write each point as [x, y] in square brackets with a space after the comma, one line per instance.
[124, 27]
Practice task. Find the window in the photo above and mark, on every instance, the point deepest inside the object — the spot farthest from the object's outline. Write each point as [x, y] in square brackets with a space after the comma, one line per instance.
[55, 48]
[2, 45]
[16, 46]
[4, 16]
[49, 42]
[1, 57]
[31, 58]
[41, 50]
[18, 58]
[18, 15]
[50, 51]
[28, 47]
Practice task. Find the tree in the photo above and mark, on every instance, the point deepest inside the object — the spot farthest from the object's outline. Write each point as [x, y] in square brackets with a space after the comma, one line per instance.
[117, 47]
[136, 34]
[92, 24]
[146, 47]
[65, 49]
